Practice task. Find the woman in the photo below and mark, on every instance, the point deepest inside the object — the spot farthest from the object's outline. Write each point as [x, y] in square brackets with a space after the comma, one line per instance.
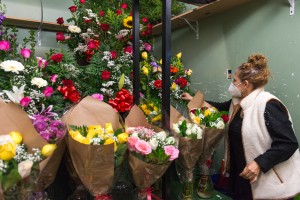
[263, 148]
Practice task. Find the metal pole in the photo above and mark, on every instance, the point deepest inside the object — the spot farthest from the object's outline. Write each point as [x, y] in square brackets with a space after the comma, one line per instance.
[166, 51]
[136, 50]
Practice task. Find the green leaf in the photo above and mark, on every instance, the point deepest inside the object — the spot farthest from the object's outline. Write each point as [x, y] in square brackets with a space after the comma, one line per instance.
[121, 81]
[118, 131]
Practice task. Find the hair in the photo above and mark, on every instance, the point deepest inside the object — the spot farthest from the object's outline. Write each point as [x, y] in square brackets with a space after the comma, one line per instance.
[255, 70]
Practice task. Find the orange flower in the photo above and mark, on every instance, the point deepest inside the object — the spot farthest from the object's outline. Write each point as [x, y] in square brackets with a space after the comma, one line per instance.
[173, 69]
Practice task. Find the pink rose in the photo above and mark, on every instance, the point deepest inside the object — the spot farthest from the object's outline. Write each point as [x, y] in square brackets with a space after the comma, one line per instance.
[171, 151]
[98, 96]
[4, 45]
[48, 91]
[42, 63]
[25, 101]
[131, 141]
[25, 53]
[147, 46]
[143, 147]
[53, 78]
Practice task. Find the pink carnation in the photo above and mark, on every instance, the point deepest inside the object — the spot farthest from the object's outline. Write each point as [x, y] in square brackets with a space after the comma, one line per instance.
[53, 78]
[98, 96]
[4, 45]
[48, 91]
[25, 101]
[171, 151]
[131, 141]
[143, 147]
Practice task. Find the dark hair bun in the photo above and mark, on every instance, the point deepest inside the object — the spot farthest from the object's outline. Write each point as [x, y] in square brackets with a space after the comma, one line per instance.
[258, 61]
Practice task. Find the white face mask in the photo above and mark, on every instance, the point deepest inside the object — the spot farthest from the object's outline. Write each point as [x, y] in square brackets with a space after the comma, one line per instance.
[234, 91]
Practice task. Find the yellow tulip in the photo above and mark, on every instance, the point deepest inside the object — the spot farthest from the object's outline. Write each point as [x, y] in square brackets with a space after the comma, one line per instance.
[76, 135]
[144, 107]
[7, 151]
[174, 86]
[109, 141]
[179, 55]
[160, 62]
[48, 149]
[157, 118]
[90, 135]
[155, 109]
[92, 127]
[109, 129]
[122, 137]
[145, 70]
[16, 136]
[145, 55]
[207, 112]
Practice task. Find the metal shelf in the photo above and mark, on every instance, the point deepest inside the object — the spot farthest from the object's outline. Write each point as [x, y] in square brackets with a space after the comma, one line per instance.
[202, 12]
[34, 24]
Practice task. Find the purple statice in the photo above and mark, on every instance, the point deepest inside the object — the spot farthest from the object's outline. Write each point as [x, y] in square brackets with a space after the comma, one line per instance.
[2, 18]
[47, 126]
[154, 64]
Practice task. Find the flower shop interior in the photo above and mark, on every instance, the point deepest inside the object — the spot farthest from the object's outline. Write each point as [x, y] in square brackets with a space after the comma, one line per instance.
[83, 83]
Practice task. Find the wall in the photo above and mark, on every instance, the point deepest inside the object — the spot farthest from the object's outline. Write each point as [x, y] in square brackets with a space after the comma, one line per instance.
[31, 9]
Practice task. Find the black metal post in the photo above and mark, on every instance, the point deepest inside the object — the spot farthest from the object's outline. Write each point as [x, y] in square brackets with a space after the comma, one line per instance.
[136, 50]
[166, 56]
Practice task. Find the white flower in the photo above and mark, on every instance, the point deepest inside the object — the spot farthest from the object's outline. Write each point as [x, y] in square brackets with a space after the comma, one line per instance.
[161, 135]
[24, 168]
[170, 140]
[220, 124]
[188, 132]
[74, 29]
[12, 66]
[39, 82]
[5, 139]
[176, 128]
[199, 134]
[134, 134]
[153, 143]
[16, 95]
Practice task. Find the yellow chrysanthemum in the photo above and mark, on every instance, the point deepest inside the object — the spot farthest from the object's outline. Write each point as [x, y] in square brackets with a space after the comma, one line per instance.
[91, 134]
[197, 119]
[207, 112]
[145, 70]
[155, 109]
[144, 107]
[127, 22]
[157, 118]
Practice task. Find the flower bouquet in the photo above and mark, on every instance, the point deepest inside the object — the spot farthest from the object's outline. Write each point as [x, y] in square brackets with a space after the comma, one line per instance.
[13, 120]
[151, 152]
[96, 144]
[190, 147]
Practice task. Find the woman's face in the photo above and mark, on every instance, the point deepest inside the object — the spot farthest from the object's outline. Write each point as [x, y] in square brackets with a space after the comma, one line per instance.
[237, 81]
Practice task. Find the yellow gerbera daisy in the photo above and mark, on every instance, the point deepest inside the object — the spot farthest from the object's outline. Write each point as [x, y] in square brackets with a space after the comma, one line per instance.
[127, 22]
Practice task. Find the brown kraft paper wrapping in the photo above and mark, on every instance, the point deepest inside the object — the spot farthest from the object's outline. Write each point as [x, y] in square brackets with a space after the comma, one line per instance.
[145, 174]
[94, 164]
[49, 166]
[13, 118]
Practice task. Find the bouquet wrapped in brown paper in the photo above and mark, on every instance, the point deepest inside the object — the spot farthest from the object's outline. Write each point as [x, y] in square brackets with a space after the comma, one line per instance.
[151, 152]
[214, 123]
[190, 147]
[21, 151]
[95, 138]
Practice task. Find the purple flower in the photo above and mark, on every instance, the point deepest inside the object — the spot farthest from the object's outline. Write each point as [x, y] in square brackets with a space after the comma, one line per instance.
[153, 64]
[40, 125]
[45, 135]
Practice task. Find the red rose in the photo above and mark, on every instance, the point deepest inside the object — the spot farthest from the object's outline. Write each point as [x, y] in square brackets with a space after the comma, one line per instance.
[149, 26]
[158, 84]
[82, 1]
[193, 111]
[68, 82]
[225, 118]
[128, 49]
[89, 54]
[104, 27]
[101, 13]
[124, 6]
[57, 57]
[144, 20]
[93, 44]
[88, 20]
[73, 9]
[182, 82]
[60, 36]
[144, 33]
[149, 31]
[131, 37]
[105, 75]
[60, 20]
[119, 12]
[113, 54]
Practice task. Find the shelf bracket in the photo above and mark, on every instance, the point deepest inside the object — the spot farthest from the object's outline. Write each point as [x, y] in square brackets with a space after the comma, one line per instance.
[194, 28]
[292, 7]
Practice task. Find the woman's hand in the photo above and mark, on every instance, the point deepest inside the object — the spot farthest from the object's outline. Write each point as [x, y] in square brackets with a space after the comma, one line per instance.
[251, 171]
[186, 96]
